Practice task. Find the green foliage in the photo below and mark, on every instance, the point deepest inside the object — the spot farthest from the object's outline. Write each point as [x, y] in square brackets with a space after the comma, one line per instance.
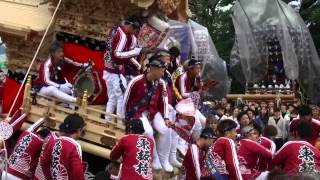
[218, 22]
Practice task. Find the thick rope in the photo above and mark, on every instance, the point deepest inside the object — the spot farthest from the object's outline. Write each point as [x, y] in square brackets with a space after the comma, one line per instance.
[34, 58]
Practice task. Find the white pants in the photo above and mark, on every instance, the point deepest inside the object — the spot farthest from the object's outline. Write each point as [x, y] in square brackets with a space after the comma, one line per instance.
[163, 140]
[263, 176]
[148, 131]
[200, 122]
[57, 93]
[114, 92]
[8, 176]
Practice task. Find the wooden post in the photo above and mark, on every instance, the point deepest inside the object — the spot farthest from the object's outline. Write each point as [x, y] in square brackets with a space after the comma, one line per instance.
[84, 104]
[26, 105]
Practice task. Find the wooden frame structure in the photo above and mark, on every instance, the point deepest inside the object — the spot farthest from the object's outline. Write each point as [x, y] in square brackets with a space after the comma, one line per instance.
[100, 135]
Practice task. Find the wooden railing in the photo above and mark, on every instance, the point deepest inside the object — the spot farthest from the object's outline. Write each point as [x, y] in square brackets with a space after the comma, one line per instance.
[100, 135]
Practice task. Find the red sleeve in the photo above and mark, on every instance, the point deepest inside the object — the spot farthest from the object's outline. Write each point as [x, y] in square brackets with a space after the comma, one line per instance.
[280, 156]
[188, 165]
[76, 171]
[262, 151]
[118, 45]
[293, 126]
[231, 160]
[118, 150]
[184, 133]
[128, 96]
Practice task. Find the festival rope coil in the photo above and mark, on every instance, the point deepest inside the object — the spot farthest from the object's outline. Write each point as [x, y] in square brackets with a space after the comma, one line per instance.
[4, 162]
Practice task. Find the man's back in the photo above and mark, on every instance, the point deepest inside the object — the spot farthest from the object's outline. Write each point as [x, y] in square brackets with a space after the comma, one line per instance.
[298, 156]
[66, 159]
[315, 125]
[136, 151]
[23, 160]
[61, 158]
[43, 168]
[225, 158]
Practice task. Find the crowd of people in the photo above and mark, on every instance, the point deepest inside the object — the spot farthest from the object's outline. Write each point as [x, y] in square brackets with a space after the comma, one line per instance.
[161, 102]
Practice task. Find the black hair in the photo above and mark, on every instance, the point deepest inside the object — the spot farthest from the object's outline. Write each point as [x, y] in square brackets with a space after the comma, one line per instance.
[225, 126]
[174, 51]
[304, 130]
[55, 46]
[134, 126]
[208, 133]
[71, 124]
[277, 174]
[276, 109]
[134, 21]
[305, 110]
[43, 132]
[257, 127]
[102, 175]
[242, 113]
[270, 131]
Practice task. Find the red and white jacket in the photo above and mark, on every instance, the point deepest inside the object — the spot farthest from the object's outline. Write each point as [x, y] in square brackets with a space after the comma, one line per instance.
[62, 160]
[186, 85]
[315, 125]
[225, 159]
[43, 167]
[297, 157]
[124, 51]
[136, 152]
[264, 164]
[11, 127]
[194, 163]
[51, 74]
[249, 152]
[24, 158]
[137, 89]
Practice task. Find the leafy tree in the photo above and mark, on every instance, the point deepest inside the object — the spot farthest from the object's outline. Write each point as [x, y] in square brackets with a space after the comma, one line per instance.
[217, 19]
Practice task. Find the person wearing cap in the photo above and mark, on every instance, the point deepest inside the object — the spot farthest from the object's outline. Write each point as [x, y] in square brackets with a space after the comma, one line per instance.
[121, 60]
[222, 155]
[250, 152]
[23, 160]
[136, 152]
[298, 155]
[194, 162]
[52, 80]
[62, 158]
[145, 98]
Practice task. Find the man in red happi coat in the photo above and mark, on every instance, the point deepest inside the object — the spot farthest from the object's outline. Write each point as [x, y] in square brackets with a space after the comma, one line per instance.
[267, 141]
[299, 156]
[62, 159]
[136, 152]
[222, 155]
[194, 163]
[305, 115]
[120, 61]
[23, 160]
[249, 152]
[146, 98]
[52, 80]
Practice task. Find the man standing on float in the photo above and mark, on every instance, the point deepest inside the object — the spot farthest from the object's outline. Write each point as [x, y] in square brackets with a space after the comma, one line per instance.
[120, 57]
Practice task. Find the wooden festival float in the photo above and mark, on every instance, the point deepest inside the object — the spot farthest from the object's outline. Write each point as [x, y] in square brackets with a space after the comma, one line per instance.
[23, 23]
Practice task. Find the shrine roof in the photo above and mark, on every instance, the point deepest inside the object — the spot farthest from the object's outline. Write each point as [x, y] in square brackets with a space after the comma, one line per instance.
[18, 18]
